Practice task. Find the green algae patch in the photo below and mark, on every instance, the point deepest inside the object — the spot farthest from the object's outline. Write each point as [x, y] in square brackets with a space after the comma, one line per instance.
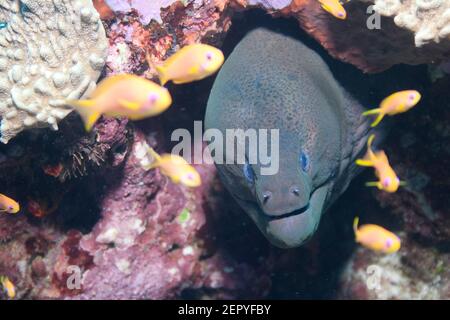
[184, 216]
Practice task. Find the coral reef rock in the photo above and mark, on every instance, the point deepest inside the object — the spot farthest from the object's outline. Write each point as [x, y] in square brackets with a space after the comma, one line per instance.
[428, 19]
[376, 35]
[51, 50]
[415, 272]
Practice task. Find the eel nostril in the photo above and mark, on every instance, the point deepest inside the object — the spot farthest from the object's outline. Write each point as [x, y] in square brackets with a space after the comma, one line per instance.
[296, 191]
[266, 196]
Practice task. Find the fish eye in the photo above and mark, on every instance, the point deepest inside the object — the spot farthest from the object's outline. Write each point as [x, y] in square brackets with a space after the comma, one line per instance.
[152, 97]
[412, 96]
[304, 161]
[209, 56]
[386, 182]
[249, 173]
[388, 243]
[190, 176]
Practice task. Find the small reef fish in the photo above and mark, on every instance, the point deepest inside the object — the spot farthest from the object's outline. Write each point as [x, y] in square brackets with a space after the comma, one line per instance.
[8, 205]
[191, 63]
[376, 238]
[397, 102]
[123, 95]
[388, 180]
[8, 286]
[334, 7]
[174, 167]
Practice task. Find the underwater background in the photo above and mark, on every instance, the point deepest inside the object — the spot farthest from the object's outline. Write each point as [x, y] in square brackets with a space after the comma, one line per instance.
[89, 210]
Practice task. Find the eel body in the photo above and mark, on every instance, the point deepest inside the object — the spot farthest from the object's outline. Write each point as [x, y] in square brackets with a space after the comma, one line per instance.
[272, 81]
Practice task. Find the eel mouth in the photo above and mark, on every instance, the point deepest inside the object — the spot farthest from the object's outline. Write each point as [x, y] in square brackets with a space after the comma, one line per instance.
[289, 214]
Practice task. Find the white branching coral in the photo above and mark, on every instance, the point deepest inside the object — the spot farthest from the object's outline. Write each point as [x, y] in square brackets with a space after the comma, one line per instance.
[428, 19]
[50, 50]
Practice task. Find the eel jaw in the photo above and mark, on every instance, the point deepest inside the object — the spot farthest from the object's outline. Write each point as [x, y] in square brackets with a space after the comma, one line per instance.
[294, 229]
[291, 229]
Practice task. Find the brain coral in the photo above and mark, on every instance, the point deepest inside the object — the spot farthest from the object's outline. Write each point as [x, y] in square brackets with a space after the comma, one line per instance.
[428, 19]
[50, 50]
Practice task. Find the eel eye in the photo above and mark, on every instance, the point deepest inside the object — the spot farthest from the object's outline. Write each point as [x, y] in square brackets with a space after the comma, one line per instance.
[248, 173]
[412, 96]
[304, 161]
[209, 56]
[386, 182]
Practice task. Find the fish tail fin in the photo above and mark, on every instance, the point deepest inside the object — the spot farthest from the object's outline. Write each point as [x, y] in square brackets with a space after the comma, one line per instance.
[367, 160]
[375, 111]
[372, 111]
[162, 75]
[377, 120]
[355, 227]
[370, 141]
[87, 113]
[364, 163]
[159, 69]
[155, 157]
[373, 184]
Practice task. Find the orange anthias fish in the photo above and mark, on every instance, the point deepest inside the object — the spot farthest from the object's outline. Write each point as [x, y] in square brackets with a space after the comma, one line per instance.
[123, 95]
[8, 286]
[376, 238]
[8, 205]
[191, 63]
[174, 167]
[388, 180]
[334, 7]
[397, 102]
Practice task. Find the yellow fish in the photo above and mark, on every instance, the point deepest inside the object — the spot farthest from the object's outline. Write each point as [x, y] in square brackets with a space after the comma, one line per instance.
[123, 95]
[334, 7]
[8, 205]
[192, 62]
[376, 238]
[387, 178]
[174, 167]
[397, 102]
[8, 286]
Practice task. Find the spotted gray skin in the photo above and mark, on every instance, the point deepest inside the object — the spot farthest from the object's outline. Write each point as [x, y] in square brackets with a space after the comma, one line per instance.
[273, 81]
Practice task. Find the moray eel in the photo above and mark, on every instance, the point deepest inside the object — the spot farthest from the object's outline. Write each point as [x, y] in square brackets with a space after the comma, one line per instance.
[271, 80]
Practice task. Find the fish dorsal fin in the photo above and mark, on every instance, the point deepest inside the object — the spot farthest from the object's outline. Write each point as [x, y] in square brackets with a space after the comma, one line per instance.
[105, 85]
[156, 158]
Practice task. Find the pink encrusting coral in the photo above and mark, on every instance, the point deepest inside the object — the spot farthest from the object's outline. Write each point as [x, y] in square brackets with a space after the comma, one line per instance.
[370, 41]
[151, 241]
